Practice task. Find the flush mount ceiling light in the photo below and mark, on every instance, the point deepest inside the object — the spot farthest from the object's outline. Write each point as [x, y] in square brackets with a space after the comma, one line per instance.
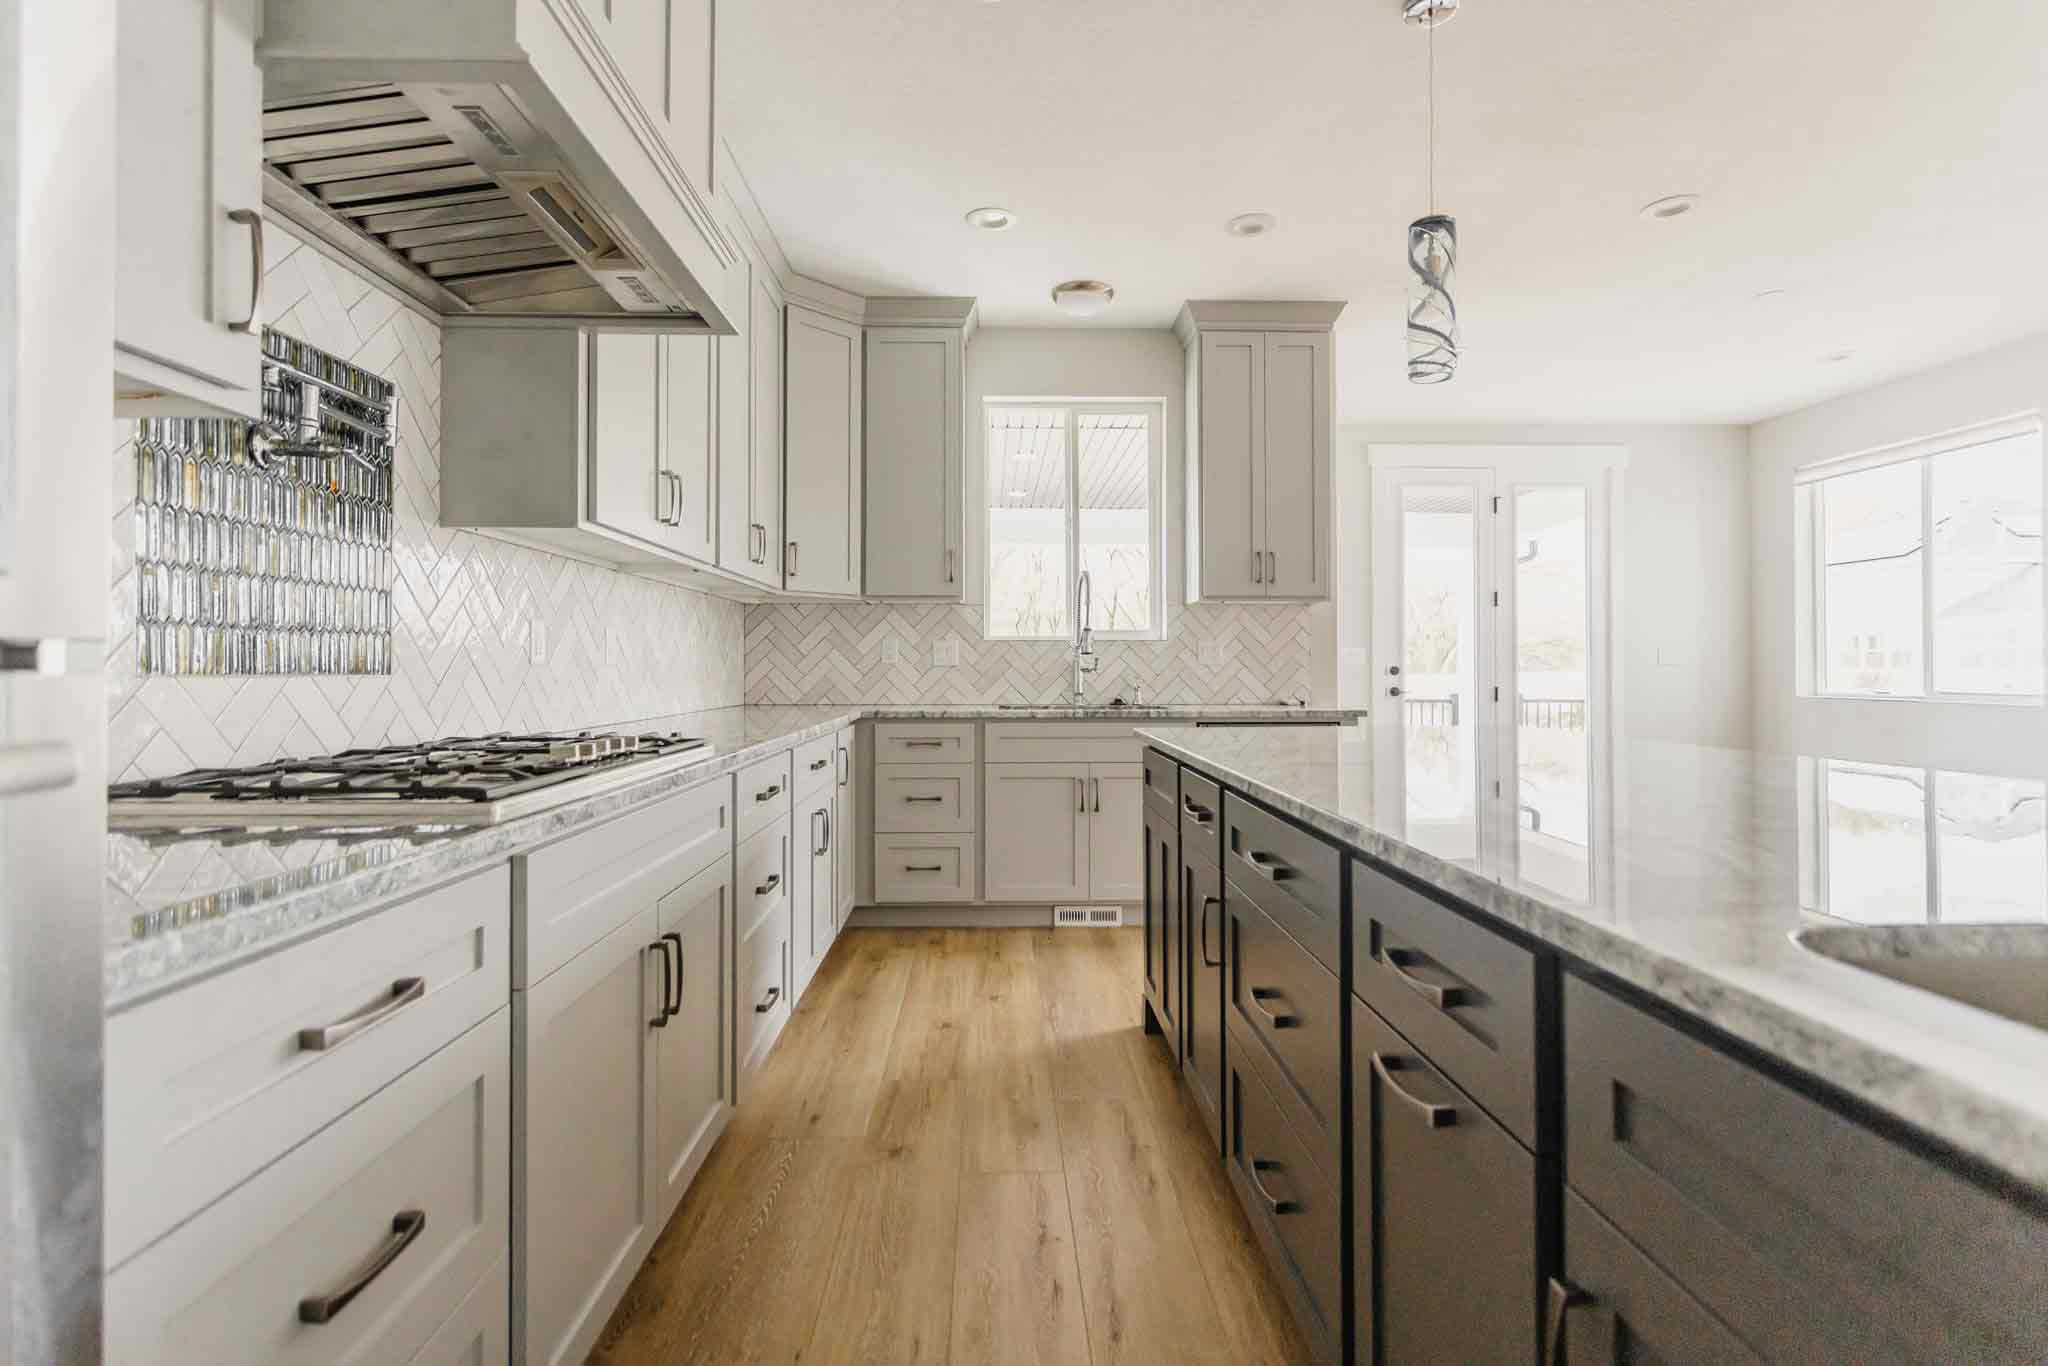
[1251, 225]
[1669, 207]
[1432, 241]
[990, 217]
[1082, 298]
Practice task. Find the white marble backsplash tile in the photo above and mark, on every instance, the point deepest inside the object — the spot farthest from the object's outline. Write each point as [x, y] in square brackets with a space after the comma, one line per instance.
[468, 608]
[833, 652]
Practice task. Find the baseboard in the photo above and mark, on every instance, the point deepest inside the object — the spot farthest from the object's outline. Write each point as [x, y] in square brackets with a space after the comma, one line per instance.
[947, 915]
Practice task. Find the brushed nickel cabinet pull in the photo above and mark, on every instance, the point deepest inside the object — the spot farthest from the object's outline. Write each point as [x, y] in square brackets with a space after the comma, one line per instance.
[789, 559]
[1443, 998]
[1200, 815]
[767, 1003]
[923, 744]
[817, 765]
[845, 768]
[1268, 867]
[1560, 1297]
[1435, 1116]
[1278, 1019]
[1272, 567]
[769, 793]
[764, 888]
[1202, 931]
[923, 868]
[404, 992]
[1273, 1203]
[1258, 567]
[406, 1225]
[253, 221]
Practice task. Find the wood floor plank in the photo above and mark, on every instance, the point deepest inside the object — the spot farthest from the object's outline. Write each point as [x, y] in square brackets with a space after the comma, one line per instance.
[1142, 1285]
[1017, 1291]
[838, 1057]
[1006, 1063]
[1084, 977]
[937, 1004]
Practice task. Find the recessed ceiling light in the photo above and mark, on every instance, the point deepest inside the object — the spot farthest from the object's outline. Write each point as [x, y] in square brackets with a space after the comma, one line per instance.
[1082, 298]
[1670, 206]
[990, 217]
[1251, 225]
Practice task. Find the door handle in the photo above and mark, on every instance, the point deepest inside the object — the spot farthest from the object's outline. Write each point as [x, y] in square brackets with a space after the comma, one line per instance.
[668, 987]
[1278, 1019]
[406, 1225]
[1273, 1203]
[774, 881]
[767, 1003]
[1435, 1116]
[404, 992]
[253, 221]
[1202, 931]
[675, 941]
[40, 767]
[1560, 1298]
[1443, 998]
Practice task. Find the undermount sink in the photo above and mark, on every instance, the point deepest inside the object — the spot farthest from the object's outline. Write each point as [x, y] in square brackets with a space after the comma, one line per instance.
[1999, 968]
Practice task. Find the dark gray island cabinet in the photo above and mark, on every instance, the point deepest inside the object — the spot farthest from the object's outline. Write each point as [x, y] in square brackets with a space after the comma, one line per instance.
[1456, 1143]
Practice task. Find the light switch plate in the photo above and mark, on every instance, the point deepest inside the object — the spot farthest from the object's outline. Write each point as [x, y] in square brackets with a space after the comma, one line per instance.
[892, 651]
[946, 652]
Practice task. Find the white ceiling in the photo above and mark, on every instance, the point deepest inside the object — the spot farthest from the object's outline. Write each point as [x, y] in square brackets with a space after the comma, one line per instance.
[1885, 162]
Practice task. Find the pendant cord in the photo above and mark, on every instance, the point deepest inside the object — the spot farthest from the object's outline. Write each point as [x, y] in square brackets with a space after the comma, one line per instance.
[1432, 120]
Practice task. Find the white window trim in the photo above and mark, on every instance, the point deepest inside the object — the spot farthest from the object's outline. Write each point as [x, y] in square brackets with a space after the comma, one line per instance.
[1810, 543]
[1154, 410]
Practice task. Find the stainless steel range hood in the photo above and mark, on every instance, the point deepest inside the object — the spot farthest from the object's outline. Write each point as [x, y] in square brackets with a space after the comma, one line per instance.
[465, 195]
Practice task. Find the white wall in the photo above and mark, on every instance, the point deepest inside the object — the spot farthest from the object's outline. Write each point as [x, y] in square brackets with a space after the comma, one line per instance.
[2000, 383]
[1682, 571]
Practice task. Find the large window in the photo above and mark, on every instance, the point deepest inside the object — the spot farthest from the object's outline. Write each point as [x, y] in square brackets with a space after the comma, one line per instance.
[1073, 487]
[1927, 568]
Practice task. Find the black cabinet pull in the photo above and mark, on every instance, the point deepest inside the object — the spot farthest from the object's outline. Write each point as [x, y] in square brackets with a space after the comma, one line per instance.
[668, 987]
[818, 765]
[1435, 1116]
[923, 868]
[1443, 998]
[767, 1003]
[1261, 995]
[774, 881]
[1268, 867]
[1202, 932]
[1560, 1297]
[406, 1225]
[768, 792]
[924, 801]
[675, 941]
[1273, 1203]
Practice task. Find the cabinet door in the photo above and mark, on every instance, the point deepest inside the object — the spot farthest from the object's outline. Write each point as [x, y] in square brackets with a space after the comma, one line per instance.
[1036, 824]
[1161, 910]
[845, 820]
[1202, 941]
[693, 1048]
[1456, 1204]
[1116, 801]
[765, 333]
[588, 1189]
[1295, 465]
[738, 545]
[914, 470]
[626, 492]
[189, 152]
[823, 503]
[1626, 1309]
[811, 900]
[689, 446]
[1233, 394]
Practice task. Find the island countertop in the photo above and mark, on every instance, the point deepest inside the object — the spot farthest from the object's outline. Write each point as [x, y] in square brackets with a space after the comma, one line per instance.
[1697, 912]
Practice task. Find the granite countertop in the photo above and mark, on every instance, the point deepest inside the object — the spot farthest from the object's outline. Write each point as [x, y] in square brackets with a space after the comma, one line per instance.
[1704, 897]
[184, 903]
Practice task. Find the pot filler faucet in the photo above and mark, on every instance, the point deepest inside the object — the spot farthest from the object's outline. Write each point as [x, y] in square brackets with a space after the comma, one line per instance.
[1084, 638]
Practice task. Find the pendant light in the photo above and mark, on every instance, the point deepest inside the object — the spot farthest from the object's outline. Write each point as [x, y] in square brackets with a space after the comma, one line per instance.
[1432, 241]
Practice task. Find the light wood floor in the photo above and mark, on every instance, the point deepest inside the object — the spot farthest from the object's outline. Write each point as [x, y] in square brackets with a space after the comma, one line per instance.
[964, 1149]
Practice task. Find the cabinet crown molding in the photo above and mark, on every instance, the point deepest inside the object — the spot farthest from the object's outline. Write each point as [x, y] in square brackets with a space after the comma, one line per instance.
[922, 311]
[1261, 315]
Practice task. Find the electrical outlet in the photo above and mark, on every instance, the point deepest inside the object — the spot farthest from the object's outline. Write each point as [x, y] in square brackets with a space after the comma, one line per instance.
[1210, 654]
[537, 642]
[946, 652]
[892, 650]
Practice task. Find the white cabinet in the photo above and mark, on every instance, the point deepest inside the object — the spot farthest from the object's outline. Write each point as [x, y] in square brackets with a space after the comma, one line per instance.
[693, 1044]
[628, 492]
[663, 50]
[188, 262]
[1064, 832]
[689, 446]
[814, 904]
[845, 829]
[1261, 426]
[750, 419]
[916, 439]
[822, 441]
[765, 339]
[762, 893]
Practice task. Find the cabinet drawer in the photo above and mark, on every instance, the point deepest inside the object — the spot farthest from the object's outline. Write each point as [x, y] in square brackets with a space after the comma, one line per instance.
[212, 1083]
[1453, 1198]
[419, 1172]
[764, 793]
[1632, 1311]
[1294, 1006]
[813, 763]
[1294, 876]
[914, 868]
[1162, 779]
[924, 742]
[574, 892]
[1465, 995]
[1062, 742]
[1295, 1204]
[924, 799]
[479, 1332]
[761, 876]
[1201, 817]
[1811, 1236]
[763, 998]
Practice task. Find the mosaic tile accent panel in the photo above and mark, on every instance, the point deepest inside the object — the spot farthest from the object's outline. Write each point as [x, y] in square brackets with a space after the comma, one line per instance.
[472, 614]
[832, 652]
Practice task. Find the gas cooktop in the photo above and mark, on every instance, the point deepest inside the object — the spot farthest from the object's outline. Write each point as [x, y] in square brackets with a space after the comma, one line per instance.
[467, 780]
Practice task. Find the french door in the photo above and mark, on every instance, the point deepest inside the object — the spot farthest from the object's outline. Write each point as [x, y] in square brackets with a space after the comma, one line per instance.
[1492, 703]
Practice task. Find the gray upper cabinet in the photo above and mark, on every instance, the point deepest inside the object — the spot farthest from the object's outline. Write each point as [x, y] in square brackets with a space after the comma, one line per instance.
[750, 419]
[822, 441]
[189, 266]
[916, 443]
[1261, 424]
[663, 48]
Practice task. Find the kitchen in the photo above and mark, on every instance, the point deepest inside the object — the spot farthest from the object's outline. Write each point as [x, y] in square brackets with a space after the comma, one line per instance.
[877, 682]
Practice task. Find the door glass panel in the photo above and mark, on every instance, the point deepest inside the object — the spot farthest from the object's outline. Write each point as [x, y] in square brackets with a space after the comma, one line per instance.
[1993, 856]
[1877, 842]
[1115, 519]
[1027, 524]
[1439, 671]
[1553, 662]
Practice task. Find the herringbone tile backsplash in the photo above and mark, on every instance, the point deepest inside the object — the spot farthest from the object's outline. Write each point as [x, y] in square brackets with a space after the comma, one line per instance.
[830, 652]
[617, 648]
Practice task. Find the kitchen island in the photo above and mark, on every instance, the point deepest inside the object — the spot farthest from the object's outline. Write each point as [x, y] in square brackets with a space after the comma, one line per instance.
[1649, 1115]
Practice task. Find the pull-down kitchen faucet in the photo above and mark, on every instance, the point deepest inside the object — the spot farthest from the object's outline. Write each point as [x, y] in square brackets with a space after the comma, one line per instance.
[1084, 637]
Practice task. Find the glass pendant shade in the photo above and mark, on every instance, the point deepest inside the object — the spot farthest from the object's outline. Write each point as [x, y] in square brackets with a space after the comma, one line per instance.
[1432, 312]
